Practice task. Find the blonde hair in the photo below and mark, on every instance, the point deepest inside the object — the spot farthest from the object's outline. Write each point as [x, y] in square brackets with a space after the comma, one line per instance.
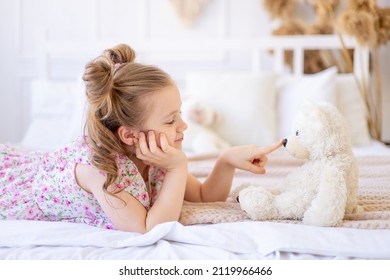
[116, 89]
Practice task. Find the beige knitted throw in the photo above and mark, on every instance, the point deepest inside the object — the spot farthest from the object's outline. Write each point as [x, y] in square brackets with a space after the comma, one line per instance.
[374, 192]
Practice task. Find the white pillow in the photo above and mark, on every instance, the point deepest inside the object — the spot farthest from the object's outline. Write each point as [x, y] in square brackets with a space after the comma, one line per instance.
[340, 90]
[245, 103]
[292, 91]
[56, 115]
[351, 105]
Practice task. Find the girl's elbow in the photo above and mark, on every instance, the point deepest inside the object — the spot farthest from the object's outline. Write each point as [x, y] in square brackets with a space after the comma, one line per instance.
[213, 197]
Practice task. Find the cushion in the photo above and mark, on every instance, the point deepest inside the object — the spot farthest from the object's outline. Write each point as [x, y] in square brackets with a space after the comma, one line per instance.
[351, 105]
[244, 102]
[328, 86]
[292, 91]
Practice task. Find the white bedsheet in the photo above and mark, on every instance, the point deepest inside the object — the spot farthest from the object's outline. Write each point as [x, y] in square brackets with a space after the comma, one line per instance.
[240, 240]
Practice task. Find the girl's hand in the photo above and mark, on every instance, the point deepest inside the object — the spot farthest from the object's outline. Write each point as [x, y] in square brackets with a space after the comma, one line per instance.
[162, 155]
[250, 158]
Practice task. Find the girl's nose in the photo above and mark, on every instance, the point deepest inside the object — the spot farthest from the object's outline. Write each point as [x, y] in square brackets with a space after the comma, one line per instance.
[183, 126]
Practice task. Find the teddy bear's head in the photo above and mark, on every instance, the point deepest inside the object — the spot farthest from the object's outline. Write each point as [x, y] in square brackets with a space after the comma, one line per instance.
[319, 130]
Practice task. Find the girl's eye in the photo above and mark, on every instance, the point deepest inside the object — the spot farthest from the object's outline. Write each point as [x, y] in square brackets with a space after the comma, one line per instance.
[174, 119]
[297, 133]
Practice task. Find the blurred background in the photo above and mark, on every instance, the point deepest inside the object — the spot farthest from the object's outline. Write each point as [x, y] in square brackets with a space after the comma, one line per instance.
[125, 21]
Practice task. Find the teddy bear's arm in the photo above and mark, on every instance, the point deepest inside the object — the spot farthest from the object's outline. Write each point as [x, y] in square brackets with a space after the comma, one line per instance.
[328, 207]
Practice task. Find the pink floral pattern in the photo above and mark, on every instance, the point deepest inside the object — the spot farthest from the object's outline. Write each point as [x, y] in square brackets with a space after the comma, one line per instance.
[42, 186]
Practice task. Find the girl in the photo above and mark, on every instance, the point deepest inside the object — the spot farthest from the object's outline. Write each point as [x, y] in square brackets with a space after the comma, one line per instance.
[129, 173]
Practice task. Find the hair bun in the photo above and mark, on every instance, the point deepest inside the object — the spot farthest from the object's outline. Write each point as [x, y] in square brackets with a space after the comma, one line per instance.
[98, 72]
[121, 53]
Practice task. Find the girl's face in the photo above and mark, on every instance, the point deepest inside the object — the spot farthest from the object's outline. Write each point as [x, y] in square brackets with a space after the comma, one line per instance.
[165, 116]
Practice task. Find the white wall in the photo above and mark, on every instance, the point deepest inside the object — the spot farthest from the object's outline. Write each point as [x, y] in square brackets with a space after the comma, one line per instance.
[121, 21]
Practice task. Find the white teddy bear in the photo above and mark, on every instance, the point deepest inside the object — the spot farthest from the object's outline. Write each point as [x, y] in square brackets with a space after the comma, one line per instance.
[325, 187]
[199, 136]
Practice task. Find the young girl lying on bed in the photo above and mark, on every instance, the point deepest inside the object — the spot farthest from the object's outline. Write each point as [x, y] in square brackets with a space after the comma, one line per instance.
[129, 173]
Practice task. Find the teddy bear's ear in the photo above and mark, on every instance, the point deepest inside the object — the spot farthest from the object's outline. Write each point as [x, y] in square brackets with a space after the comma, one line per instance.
[316, 110]
[309, 107]
[317, 106]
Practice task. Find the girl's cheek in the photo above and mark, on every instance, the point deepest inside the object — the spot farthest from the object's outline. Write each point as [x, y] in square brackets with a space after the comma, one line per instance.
[171, 139]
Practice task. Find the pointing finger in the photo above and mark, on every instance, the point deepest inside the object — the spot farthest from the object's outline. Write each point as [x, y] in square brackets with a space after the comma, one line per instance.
[271, 148]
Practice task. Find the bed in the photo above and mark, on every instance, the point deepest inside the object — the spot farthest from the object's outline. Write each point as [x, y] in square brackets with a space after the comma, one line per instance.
[221, 230]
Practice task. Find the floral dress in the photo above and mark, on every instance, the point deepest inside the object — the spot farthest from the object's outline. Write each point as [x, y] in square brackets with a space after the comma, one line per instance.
[42, 185]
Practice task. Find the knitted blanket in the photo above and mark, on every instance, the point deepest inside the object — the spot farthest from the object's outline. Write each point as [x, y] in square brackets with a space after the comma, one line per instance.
[373, 195]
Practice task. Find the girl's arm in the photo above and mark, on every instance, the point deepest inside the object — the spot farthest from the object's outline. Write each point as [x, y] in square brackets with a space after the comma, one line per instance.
[127, 213]
[217, 185]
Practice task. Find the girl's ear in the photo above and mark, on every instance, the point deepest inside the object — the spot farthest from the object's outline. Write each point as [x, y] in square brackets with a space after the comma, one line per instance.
[128, 135]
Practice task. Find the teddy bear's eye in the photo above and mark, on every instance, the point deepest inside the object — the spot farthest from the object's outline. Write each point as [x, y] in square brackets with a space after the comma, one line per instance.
[297, 133]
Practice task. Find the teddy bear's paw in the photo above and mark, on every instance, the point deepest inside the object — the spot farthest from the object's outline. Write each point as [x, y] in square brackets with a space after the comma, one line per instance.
[319, 219]
[257, 203]
[357, 209]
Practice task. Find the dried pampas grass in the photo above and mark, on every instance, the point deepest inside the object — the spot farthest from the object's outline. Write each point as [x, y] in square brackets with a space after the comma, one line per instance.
[279, 8]
[291, 27]
[360, 25]
[362, 19]
[370, 25]
[384, 26]
[361, 5]
[320, 28]
[323, 8]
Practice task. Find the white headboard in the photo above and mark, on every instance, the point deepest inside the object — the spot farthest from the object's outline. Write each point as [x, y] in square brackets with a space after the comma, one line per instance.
[180, 58]
[160, 50]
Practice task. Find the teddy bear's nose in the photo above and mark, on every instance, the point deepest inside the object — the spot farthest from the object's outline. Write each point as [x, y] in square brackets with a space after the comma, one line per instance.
[284, 142]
